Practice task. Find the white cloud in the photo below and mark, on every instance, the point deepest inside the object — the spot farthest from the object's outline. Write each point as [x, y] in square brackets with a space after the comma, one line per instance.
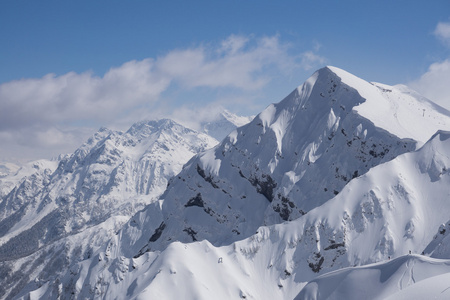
[237, 63]
[72, 97]
[311, 60]
[233, 44]
[208, 113]
[442, 32]
[435, 83]
[46, 112]
[316, 46]
[40, 142]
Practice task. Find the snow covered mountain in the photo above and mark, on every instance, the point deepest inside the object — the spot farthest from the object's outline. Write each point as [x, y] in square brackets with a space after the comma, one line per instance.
[8, 169]
[223, 124]
[11, 174]
[340, 174]
[90, 194]
[293, 157]
[394, 208]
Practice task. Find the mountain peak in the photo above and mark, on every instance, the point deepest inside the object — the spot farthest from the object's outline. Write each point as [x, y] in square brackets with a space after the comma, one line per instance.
[333, 167]
[147, 127]
[294, 156]
[396, 109]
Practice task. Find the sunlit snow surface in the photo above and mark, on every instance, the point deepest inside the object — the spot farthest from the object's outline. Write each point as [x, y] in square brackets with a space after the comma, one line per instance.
[11, 174]
[359, 172]
[397, 109]
[407, 277]
[54, 218]
[378, 217]
[293, 157]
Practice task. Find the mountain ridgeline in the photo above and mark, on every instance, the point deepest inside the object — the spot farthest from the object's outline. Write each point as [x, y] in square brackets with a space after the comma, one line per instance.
[90, 195]
[293, 157]
[339, 175]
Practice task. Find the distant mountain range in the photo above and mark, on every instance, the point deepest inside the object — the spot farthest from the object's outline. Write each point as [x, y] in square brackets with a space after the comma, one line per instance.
[224, 123]
[314, 198]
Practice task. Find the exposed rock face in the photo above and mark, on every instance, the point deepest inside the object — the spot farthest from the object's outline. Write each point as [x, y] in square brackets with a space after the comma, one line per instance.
[294, 156]
[90, 195]
[328, 178]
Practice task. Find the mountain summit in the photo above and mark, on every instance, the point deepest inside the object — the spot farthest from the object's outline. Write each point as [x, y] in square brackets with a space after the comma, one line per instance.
[92, 192]
[340, 173]
[293, 157]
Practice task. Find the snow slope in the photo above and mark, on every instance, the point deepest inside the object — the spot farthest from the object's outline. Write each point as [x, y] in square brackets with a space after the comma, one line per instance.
[341, 173]
[407, 277]
[293, 157]
[90, 195]
[395, 207]
[11, 174]
[8, 168]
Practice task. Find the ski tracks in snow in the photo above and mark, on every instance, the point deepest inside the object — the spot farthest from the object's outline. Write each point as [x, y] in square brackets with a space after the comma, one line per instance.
[407, 278]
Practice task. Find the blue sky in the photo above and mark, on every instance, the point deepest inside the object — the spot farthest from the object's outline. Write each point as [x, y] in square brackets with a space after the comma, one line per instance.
[68, 67]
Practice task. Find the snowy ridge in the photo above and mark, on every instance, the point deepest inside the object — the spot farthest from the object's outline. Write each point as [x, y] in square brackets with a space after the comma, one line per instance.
[89, 196]
[24, 184]
[8, 168]
[340, 174]
[393, 209]
[291, 158]
[397, 109]
[12, 174]
[407, 277]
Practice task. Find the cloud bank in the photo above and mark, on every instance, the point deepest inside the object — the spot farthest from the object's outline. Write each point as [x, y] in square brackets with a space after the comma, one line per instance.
[77, 97]
[435, 82]
[53, 112]
[442, 32]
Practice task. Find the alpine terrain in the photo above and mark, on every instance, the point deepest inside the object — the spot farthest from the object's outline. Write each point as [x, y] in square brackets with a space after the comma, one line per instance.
[224, 123]
[11, 174]
[339, 191]
[58, 215]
